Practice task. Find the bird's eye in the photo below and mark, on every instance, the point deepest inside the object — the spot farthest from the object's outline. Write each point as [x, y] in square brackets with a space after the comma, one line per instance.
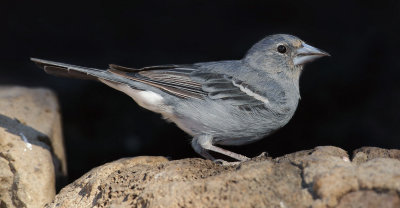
[281, 49]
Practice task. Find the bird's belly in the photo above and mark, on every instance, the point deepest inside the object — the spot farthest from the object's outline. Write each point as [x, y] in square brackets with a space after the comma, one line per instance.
[187, 125]
[226, 123]
[236, 141]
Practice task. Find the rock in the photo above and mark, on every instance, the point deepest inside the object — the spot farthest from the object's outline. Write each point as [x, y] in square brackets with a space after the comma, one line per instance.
[321, 169]
[88, 189]
[368, 153]
[156, 182]
[380, 174]
[370, 199]
[31, 147]
[322, 177]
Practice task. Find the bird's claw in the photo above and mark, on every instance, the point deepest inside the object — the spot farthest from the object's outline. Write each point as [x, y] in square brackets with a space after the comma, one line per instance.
[263, 154]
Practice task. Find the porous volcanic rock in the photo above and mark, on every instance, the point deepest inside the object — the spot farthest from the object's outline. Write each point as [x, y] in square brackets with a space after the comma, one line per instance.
[321, 177]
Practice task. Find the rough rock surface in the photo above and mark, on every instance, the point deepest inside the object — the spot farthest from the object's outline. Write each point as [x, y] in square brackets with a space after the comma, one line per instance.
[31, 147]
[322, 177]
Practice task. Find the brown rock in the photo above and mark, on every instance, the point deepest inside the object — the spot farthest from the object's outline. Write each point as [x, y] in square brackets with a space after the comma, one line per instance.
[299, 157]
[369, 199]
[368, 153]
[319, 178]
[380, 173]
[186, 183]
[30, 145]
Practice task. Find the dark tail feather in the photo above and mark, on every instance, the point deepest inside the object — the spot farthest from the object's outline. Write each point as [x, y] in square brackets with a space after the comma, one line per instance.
[67, 70]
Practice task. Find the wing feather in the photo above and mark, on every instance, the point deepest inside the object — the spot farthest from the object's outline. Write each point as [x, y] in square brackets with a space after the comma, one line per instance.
[191, 82]
[177, 89]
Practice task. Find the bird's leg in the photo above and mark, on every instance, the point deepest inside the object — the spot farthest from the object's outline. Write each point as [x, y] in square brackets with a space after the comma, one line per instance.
[201, 144]
[200, 150]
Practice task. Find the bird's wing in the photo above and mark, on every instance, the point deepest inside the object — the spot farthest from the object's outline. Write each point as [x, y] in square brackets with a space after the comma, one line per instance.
[184, 81]
[188, 81]
[229, 89]
[172, 79]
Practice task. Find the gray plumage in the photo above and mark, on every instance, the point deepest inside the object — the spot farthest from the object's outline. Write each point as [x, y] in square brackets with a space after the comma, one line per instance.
[218, 103]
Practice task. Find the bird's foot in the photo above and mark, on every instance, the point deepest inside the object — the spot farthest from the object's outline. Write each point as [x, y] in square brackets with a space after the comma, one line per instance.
[262, 155]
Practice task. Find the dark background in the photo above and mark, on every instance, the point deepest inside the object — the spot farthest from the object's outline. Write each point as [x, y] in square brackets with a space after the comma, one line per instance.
[349, 100]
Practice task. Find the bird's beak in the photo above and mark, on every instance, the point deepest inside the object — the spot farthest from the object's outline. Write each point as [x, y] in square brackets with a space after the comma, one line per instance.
[307, 53]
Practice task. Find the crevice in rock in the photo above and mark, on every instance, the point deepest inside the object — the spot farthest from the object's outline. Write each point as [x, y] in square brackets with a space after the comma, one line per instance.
[376, 190]
[304, 184]
[339, 197]
[97, 197]
[17, 202]
[380, 190]
[3, 204]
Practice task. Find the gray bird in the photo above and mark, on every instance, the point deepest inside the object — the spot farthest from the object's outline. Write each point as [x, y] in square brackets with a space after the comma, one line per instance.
[232, 102]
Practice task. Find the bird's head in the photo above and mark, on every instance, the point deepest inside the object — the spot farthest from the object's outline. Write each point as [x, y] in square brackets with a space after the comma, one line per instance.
[281, 52]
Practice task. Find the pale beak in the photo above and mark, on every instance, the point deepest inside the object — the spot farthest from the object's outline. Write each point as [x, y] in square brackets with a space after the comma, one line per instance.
[307, 54]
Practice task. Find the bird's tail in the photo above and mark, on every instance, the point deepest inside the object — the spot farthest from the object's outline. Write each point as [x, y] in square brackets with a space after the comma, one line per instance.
[68, 70]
